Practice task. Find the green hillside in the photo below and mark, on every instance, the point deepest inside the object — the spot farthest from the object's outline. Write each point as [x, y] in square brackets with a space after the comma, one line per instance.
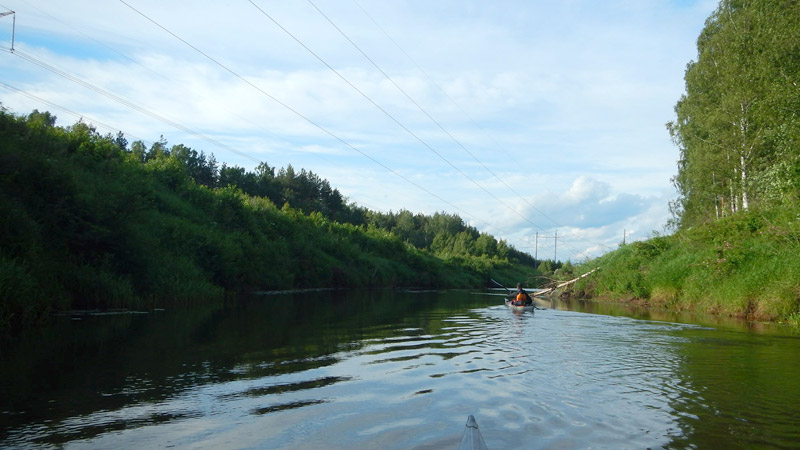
[88, 221]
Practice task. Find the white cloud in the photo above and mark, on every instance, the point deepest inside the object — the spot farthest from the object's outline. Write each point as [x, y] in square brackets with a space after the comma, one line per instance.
[569, 98]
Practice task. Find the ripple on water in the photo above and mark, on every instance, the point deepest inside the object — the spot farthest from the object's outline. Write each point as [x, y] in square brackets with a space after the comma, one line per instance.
[553, 379]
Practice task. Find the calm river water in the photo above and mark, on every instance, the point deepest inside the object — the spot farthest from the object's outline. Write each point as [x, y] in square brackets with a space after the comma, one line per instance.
[400, 370]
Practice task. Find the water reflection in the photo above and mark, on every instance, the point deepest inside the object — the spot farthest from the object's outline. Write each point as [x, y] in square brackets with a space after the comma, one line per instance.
[397, 370]
[734, 381]
[745, 386]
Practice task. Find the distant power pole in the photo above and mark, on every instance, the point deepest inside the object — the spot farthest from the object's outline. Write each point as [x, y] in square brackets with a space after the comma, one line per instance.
[13, 25]
[555, 247]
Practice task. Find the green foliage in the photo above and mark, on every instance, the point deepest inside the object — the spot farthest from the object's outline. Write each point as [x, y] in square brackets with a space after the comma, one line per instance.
[448, 237]
[86, 222]
[738, 124]
[738, 130]
[745, 265]
[303, 190]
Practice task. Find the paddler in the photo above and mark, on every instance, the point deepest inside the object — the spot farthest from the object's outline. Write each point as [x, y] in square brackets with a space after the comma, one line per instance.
[521, 297]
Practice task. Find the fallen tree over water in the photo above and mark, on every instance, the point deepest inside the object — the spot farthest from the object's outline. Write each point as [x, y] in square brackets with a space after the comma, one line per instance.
[555, 286]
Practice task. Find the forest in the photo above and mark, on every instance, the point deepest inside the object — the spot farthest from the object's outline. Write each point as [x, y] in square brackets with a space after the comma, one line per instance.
[737, 126]
[94, 222]
[737, 215]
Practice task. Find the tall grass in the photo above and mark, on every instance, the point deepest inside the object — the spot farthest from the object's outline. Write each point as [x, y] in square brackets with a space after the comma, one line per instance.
[745, 265]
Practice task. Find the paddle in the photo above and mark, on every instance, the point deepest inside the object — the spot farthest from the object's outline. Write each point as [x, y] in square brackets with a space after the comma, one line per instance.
[507, 290]
[495, 282]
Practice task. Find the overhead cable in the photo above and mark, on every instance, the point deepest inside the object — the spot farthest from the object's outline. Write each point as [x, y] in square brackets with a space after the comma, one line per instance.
[129, 103]
[421, 109]
[521, 197]
[380, 108]
[299, 114]
[428, 115]
[61, 108]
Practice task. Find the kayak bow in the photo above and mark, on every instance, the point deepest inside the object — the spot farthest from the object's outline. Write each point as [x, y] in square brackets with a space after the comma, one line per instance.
[472, 439]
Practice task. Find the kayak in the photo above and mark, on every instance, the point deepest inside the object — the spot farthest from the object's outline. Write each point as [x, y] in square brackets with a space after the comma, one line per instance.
[472, 439]
[520, 308]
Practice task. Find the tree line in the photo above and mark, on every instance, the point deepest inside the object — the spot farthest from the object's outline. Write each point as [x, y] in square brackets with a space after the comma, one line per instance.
[738, 124]
[445, 235]
[92, 221]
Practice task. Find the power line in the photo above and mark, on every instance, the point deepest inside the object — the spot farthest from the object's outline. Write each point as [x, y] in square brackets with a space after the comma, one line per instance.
[61, 108]
[437, 123]
[172, 82]
[286, 106]
[381, 109]
[416, 104]
[98, 42]
[457, 105]
[128, 103]
[125, 102]
[65, 74]
[299, 114]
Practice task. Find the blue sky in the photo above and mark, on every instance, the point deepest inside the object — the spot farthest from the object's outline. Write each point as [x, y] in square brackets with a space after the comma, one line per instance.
[522, 117]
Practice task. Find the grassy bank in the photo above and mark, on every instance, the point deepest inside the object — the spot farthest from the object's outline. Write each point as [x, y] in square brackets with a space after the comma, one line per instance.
[746, 265]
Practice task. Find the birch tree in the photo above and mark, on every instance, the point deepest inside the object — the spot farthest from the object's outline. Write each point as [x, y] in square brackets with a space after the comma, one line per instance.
[736, 125]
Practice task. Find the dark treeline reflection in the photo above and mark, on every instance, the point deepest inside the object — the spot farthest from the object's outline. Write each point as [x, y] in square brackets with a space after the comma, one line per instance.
[84, 364]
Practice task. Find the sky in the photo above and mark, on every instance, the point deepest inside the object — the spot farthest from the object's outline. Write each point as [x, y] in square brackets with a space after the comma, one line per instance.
[541, 123]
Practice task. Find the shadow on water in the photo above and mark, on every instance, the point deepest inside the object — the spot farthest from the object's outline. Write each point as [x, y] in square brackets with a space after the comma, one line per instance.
[664, 315]
[75, 368]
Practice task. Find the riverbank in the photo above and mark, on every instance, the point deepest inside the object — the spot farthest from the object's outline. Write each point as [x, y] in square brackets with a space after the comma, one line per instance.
[743, 266]
[90, 222]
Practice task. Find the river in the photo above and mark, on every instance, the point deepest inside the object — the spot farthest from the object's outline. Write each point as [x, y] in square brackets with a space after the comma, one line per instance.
[400, 370]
